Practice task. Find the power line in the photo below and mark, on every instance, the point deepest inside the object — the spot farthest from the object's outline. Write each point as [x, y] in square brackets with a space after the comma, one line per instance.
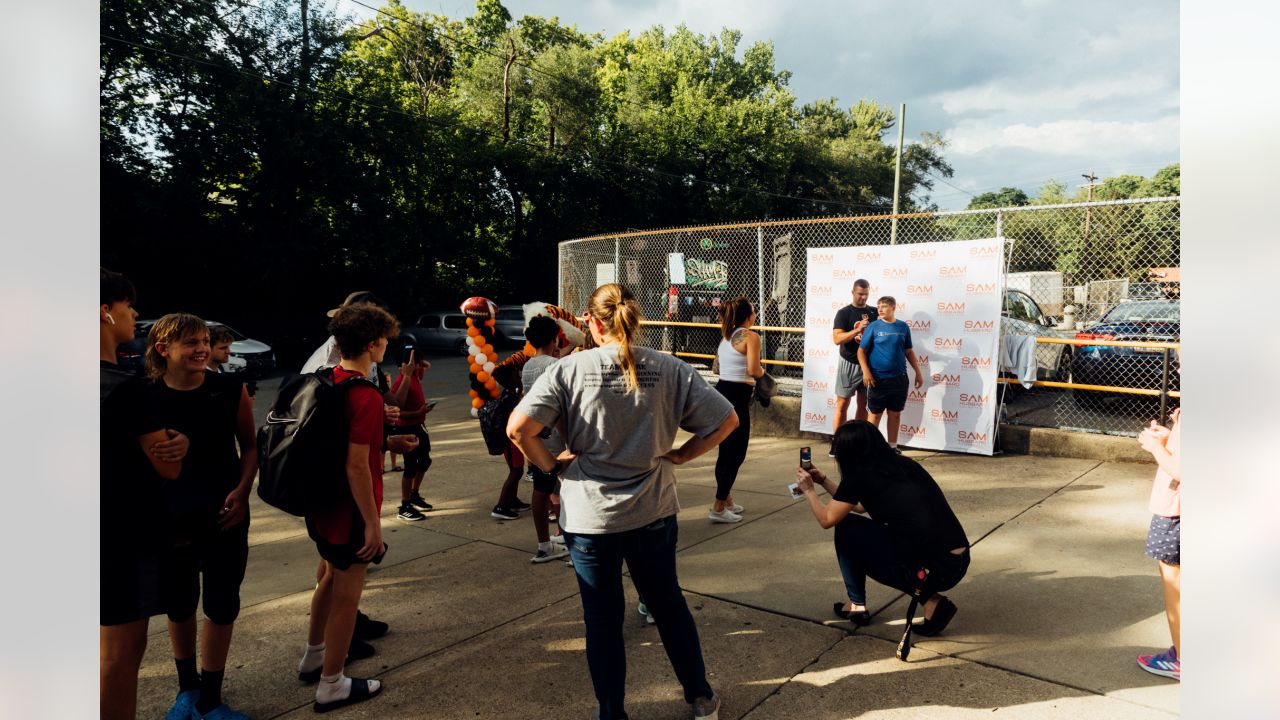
[478, 131]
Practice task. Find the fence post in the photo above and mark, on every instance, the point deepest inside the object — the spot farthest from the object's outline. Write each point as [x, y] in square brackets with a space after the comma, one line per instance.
[1164, 386]
[999, 224]
[617, 260]
[760, 279]
[560, 274]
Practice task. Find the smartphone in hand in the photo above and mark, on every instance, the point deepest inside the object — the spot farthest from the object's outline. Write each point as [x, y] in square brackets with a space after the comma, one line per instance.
[806, 458]
[796, 494]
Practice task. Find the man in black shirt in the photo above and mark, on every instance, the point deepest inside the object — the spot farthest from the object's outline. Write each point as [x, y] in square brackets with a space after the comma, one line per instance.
[846, 333]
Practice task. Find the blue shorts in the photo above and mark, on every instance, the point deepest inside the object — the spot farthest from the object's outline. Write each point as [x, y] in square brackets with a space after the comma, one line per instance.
[1164, 539]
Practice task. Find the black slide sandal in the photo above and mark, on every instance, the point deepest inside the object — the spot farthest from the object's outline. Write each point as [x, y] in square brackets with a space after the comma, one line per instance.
[860, 618]
[359, 693]
[941, 618]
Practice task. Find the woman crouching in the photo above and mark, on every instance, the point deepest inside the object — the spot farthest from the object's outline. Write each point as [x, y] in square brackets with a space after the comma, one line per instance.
[910, 525]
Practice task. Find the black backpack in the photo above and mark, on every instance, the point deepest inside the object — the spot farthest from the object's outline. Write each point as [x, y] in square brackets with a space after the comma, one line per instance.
[493, 417]
[302, 447]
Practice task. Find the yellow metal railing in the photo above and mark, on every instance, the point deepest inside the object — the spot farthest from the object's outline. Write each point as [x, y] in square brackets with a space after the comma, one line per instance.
[1038, 383]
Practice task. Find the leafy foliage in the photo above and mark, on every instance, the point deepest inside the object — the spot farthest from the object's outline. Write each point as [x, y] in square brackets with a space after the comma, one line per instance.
[262, 158]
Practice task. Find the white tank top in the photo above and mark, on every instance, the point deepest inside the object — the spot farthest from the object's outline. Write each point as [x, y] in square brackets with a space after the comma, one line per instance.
[733, 364]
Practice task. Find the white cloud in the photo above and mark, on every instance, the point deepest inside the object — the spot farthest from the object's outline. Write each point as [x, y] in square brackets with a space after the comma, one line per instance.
[1067, 137]
[1022, 96]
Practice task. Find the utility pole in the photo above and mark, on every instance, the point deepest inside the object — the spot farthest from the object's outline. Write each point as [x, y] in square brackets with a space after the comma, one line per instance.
[1088, 211]
[897, 172]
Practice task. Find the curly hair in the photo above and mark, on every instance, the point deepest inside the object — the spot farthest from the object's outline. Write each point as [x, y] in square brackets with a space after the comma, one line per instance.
[542, 331]
[172, 328]
[355, 326]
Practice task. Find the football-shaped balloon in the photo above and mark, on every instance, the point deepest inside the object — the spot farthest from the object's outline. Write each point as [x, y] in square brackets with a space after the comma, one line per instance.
[479, 308]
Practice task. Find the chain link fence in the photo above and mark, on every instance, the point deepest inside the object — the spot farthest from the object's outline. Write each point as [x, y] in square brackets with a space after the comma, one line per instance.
[1097, 284]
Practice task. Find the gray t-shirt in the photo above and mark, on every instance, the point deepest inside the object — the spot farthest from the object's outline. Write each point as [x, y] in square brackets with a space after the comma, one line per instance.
[619, 482]
[533, 369]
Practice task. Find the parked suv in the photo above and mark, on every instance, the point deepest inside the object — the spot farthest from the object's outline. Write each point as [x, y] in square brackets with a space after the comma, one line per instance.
[510, 325]
[1133, 320]
[439, 330]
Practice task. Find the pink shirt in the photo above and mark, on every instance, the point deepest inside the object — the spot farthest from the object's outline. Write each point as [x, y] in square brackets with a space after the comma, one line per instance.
[1167, 502]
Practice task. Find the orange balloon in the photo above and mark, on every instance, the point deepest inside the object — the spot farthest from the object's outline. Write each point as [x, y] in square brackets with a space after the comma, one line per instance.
[488, 350]
[475, 368]
[490, 322]
[483, 377]
[477, 403]
[473, 331]
[492, 385]
[473, 393]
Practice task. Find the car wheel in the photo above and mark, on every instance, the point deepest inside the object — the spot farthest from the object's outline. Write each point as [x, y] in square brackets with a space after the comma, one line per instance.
[1063, 372]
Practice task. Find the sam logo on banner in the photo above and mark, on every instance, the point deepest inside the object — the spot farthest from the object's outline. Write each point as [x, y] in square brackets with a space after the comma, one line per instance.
[949, 295]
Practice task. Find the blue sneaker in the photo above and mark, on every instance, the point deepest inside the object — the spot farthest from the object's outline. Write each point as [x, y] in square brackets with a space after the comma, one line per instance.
[222, 712]
[184, 706]
[1165, 664]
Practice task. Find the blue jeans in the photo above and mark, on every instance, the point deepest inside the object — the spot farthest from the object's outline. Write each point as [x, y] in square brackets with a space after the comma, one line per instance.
[650, 554]
[865, 548]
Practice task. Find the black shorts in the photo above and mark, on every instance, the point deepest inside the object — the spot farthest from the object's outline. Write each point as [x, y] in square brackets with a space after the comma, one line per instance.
[544, 482]
[344, 556]
[888, 394]
[420, 459]
[130, 587]
[209, 566]
[1164, 539]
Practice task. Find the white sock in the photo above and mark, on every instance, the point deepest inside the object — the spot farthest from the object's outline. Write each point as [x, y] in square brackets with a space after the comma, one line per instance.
[893, 444]
[544, 546]
[338, 687]
[312, 658]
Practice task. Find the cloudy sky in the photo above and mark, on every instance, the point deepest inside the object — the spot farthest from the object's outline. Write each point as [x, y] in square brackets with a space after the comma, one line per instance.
[1023, 90]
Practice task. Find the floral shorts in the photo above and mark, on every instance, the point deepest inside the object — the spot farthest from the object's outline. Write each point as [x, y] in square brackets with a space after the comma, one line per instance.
[1164, 539]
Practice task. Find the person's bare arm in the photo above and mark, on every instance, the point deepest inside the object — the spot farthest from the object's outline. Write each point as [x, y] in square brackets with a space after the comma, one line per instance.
[697, 446]
[828, 515]
[236, 506]
[1154, 440]
[167, 469]
[360, 480]
[915, 366]
[754, 367]
[865, 364]
[523, 431]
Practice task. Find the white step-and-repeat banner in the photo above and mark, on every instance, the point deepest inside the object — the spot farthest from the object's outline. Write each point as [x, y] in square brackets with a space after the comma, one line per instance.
[949, 293]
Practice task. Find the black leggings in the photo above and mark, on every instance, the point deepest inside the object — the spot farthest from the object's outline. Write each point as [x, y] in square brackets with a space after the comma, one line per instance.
[734, 448]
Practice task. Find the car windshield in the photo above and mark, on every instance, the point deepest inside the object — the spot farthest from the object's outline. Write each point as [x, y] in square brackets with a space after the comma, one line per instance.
[515, 313]
[1162, 311]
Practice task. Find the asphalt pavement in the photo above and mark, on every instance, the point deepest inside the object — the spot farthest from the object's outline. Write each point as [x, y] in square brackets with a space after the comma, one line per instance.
[1058, 601]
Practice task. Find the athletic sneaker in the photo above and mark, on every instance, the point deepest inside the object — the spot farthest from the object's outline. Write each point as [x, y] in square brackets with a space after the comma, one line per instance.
[1166, 664]
[645, 612]
[502, 513]
[367, 628]
[724, 516]
[557, 539]
[556, 552]
[409, 513]
[706, 708]
[417, 501]
[520, 506]
[735, 508]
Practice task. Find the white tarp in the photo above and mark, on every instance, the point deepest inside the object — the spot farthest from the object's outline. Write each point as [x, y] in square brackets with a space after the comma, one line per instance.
[949, 293]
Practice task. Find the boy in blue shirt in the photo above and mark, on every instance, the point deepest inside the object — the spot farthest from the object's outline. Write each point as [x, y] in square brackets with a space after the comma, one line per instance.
[883, 354]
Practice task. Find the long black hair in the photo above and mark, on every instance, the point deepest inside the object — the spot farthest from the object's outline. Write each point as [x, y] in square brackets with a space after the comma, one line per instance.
[860, 448]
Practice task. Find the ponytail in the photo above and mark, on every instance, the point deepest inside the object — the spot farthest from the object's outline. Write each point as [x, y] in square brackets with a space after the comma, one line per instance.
[616, 308]
[733, 314]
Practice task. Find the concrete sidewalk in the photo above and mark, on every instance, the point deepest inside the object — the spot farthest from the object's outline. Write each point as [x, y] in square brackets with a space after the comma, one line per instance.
[1058, 601]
